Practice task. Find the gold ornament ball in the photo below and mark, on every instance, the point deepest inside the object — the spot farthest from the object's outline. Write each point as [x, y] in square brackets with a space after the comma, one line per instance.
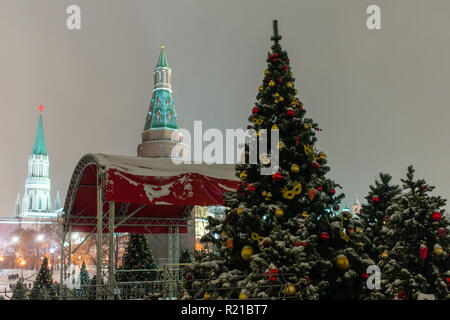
[341, 262]
[240, 211]
[281, 99]
[260, 88]
[295, 168]
[243, 175]
[246, 253]
[289, 85]
[243, 296]
[279, 212]
[289, 290]
[207, 296]
[385, 254]
[266, 72]
[437, 250]
[271, 83]
[322, 155]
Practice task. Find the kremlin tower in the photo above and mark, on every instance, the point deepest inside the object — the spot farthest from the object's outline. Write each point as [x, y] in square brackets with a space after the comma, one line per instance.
[161, 133]
[36, 202]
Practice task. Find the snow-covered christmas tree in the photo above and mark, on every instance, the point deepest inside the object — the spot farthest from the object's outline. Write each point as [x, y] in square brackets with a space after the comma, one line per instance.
[280, 237]
[373, 212]
[415, 245]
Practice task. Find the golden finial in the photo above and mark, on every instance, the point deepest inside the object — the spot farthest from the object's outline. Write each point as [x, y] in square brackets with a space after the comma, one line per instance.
[162, 47]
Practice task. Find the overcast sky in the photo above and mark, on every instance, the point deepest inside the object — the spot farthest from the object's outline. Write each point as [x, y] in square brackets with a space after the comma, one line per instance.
[380, 96]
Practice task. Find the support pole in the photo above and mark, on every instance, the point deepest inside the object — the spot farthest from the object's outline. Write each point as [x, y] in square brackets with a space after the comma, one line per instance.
[61, 271]
[111, 277]
[98, 288]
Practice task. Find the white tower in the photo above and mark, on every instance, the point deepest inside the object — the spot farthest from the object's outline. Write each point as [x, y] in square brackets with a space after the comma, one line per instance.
[36, 201]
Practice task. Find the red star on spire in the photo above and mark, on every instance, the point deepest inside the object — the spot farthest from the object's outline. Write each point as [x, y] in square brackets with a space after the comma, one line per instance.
[41, 108]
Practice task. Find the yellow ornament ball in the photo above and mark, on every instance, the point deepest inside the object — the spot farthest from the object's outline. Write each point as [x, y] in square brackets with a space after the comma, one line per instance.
[246, 253]
[279, 212]
[243, 175]
[295, 168]
[322, 155]
[437, 250]
[240, 210]
[341, 262]
[385, 254]
[260, 88]
[281, 99]
[289, 85]
[271, 83]
[266, 72]
[243, 296]
[207, 296]
[296, 91]
[289, 290]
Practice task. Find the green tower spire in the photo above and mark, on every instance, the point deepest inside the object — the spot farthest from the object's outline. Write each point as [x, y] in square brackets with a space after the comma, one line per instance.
[39, 142]
[161, 113]
[162, 62]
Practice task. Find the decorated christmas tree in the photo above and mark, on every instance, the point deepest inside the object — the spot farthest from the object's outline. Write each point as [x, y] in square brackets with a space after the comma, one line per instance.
[415, 245]
[373, 213]
[19, 292]
[137, 256]
[43, 284]
[280, 236]
[185, 256]
[84, 280]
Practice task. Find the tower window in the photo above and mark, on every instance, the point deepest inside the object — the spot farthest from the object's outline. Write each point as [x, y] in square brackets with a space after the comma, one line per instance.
[158, 115]
[169, 116]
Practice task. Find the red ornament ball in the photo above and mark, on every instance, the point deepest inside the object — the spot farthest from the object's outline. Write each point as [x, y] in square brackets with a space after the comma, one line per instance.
[274, 59]
[375, 199]
[304, 243]
[255, 110]
[436, 216]
[274, 271]
[324, 236]
[251, 188]
[315, 165]
[295, 244]
[364, 276]
[275, 54]
[447, 279]
[273, 279]
[290, 113]
[277, 177]
[332, 191]
[402, 295]
[280, 79]
[319, 188]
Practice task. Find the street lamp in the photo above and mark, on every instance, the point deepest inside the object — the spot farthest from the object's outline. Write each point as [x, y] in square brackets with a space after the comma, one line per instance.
[52, 252]
[23, 263]
[39, 239]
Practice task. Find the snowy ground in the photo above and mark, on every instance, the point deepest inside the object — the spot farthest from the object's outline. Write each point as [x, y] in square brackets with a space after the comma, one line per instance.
[30, 275]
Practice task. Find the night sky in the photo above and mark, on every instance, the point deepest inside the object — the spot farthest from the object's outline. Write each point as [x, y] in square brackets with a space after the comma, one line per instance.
[380, 96]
